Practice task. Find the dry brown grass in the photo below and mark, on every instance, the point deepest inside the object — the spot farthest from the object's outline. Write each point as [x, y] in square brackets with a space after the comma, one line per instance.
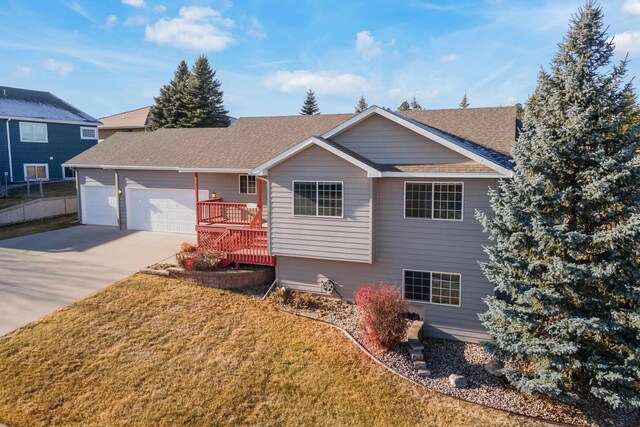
[154, 351]
[38, 226]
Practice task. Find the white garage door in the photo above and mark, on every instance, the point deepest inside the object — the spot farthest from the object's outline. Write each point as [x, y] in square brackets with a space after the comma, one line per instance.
[172, 211]
[99, 205]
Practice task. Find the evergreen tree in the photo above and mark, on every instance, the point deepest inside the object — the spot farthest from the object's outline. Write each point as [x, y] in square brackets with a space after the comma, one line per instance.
[170, 109]
[404, 106]
[519, 111]
[566, 230]
[414, 104]
[465, 102]
[362, 105]
[310, 105]
[204, 98]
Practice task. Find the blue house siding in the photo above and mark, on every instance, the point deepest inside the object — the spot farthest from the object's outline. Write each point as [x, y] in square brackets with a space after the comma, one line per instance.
[64, 143]
[4, 154]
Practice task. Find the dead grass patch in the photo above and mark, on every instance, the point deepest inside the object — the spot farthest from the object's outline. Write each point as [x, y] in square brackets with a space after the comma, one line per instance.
[156, 351]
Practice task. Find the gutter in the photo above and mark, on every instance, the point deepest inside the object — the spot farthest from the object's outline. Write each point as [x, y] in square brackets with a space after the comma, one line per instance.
[64, 122]
[9, 150]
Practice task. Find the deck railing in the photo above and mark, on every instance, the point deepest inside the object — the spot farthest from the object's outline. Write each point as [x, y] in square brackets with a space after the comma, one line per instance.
[217, 212]
[237, 245]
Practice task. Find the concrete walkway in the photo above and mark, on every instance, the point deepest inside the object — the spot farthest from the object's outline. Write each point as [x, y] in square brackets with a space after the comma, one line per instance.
[40, 273]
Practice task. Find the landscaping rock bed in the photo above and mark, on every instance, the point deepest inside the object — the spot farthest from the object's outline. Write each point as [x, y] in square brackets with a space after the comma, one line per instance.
[445, 358]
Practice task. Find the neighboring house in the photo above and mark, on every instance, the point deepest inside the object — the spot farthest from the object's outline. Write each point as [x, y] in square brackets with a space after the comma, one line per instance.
[352, 199]
[38, 132]
[129, 121]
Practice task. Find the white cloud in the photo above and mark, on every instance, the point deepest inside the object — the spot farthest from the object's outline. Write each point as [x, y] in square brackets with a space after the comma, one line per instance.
[197, 28]
[160, 8]
[111, 20]
[136, 20]
[322, 82]
[632, 7]
[627, 42]
[256, 29]
[22, 71]
[449, 58]
[368, 47]
[60, 67]
[134, 3]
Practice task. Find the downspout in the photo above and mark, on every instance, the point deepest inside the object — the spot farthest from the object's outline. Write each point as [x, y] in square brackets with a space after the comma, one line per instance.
[118, 192]
[9, 149]
[80, 213]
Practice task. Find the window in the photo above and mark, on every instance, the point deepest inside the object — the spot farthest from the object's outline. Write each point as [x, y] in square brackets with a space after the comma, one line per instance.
[88, 133]
[247, 184]
[36, 171]
[68, 173]
[33, 132]
[431, 287]
[433, 200]
[317, 198]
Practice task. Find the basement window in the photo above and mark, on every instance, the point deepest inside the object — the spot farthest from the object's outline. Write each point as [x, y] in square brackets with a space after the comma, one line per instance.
[431, 287]
[36, 171]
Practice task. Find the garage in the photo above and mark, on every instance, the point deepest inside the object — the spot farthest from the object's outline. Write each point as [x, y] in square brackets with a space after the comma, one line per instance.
[99, 204]
[168, 210]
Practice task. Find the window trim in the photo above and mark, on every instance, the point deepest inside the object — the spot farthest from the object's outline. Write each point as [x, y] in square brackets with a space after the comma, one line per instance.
[240, 184]
[404, 200]
[64, 177]
[46, 132]
[95, 129]
[293, 193]
[404, 270]
[24, 170]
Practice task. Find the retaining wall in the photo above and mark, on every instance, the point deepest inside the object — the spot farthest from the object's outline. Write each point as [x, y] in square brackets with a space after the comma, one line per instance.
[38, 209]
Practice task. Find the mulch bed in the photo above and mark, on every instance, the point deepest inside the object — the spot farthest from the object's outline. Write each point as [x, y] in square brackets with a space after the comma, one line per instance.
[445, 357]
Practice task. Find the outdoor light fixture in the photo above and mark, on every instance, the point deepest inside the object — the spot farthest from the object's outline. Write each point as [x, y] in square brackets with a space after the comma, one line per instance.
[213, 195]
[119, 191]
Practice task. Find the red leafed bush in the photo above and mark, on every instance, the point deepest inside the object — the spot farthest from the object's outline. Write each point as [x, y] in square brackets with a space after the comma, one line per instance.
[188, 247]
[382, 315]
[199, 260]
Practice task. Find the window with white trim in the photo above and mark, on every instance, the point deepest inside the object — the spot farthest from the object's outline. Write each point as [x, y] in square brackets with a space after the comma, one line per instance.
[317, 198]
[36, 171]
[431, 287]
[33, 132]
[247, 184]
[88, 133]
[433, 200]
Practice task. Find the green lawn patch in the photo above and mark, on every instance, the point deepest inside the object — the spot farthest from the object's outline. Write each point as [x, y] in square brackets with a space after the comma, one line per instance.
[38, 226]
[52, 189]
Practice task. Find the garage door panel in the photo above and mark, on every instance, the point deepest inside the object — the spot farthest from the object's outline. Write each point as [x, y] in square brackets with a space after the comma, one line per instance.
[165, 210]
[99, 205]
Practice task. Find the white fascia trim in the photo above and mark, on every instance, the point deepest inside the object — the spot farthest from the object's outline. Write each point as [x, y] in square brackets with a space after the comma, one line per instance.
[64, 122]
[444, 175]
[214, 170]
[419, 130]
[122, 127]
[263, 168]
[110, 167]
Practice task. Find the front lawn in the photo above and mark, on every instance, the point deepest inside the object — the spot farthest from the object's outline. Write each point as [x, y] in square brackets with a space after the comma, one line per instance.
[156, 351]
[38, 226]
[18, 195]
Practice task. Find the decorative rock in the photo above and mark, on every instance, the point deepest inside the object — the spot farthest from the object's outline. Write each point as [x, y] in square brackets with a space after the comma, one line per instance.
[419, 365]
[458, 381]
[415, 344]
[423, 372]
[416, 355]
[494, 367]
[153, 272]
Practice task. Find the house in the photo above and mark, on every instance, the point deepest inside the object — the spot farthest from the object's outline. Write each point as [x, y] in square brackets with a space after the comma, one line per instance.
[38, 132]
[129, 121]
[344, 199]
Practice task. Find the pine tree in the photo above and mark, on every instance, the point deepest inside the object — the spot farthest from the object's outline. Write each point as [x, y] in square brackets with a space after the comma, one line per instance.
[170, 109]
[310, 105]
[414, 104]
[362, 105]
[566, 231]
[204, 98]
[465, 102]
[519, 111]
[404, 106]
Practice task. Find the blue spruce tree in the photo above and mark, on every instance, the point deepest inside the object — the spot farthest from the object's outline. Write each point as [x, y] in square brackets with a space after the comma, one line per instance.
[566, 231]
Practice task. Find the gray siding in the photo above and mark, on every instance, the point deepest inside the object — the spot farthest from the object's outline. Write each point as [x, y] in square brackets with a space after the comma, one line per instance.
[347, 238]
[419, 244]
[96, 177]
[384, 141]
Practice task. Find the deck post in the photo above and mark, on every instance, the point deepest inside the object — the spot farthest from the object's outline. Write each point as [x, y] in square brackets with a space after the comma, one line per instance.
[195, 181]
[259, 184]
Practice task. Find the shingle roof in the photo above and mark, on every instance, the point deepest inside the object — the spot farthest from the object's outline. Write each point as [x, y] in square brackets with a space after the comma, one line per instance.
[35, 104]
[441, 167]
[138, 118]
[251, 141]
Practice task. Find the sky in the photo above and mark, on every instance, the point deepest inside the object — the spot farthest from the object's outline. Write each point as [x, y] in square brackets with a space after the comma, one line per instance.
[110, 56]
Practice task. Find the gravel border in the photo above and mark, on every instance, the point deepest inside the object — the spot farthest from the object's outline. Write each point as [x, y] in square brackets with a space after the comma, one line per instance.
[446, 357]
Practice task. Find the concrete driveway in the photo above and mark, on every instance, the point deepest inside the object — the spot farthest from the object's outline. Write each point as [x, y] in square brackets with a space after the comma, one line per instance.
[40, 273]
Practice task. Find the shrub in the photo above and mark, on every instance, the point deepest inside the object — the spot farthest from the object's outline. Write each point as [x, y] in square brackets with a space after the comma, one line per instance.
[281, 296]
[188, 247]
[198, 259]
[382, 314]
[185, 259]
